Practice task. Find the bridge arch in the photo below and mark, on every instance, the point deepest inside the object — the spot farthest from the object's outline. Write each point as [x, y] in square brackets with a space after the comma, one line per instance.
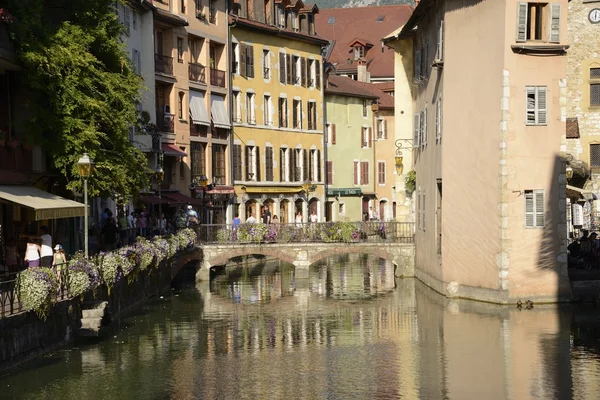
[223, 257]
[343, 250]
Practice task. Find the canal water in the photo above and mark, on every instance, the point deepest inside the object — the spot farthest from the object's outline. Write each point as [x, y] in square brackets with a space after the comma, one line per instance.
[351, 331]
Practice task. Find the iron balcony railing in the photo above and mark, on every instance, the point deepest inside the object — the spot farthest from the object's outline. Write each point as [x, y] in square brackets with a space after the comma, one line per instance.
[320, 232]
[217, 77]
[197, 72]
[163, 64]
[165, 123]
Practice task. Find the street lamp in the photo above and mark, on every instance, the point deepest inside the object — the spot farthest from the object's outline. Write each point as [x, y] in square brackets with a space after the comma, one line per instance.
[203, 180]
[160, 177]
[85, 165]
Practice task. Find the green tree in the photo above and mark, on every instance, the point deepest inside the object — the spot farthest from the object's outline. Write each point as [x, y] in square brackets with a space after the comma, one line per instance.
[82, 89]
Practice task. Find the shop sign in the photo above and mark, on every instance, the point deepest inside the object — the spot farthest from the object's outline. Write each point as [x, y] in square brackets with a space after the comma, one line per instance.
[344, 192]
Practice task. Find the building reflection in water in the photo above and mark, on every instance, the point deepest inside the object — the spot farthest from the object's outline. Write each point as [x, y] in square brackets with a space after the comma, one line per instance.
[350, 331]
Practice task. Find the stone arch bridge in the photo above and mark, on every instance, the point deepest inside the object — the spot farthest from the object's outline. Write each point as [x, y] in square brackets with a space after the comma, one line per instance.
[303, 255]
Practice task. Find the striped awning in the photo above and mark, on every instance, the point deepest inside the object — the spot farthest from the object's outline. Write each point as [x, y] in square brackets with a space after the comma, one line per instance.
[46, 205]
[198, 109]
[220, 116]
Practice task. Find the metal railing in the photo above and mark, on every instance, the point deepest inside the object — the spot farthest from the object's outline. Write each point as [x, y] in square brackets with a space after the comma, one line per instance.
[217, 77]
[165, 123]
[320, 232]
[163, 64]
[197, 72]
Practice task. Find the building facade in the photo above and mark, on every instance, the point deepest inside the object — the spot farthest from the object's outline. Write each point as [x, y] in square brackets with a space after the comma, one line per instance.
[488, 109]
[360, 155]
[277, 108]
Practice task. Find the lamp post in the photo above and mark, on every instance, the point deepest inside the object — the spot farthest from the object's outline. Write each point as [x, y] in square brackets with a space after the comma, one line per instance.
[203, 183]
[85, 166]
[159, 174]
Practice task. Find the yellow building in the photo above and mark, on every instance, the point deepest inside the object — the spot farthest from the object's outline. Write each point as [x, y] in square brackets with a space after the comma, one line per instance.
[277, 107]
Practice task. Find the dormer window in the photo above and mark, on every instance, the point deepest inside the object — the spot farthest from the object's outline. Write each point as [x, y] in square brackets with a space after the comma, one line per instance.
[294, 18]
[359, 52]
[280, 17]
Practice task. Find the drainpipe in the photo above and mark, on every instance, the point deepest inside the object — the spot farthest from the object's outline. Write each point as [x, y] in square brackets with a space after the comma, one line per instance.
[231, 105]
[325, 157]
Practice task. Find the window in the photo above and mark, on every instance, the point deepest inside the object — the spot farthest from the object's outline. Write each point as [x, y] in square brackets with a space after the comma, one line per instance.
[179, 50]
[365, 138]
[237, 162]
[136, 61]
[267, 120]
[331, 133]
[297, 116]
[288, 70]
[419, 208]
[538, 21]
[180, 107]
[381, 172]
[381, 129]
[284, 169]
[359, 52]
[198, 158]
[329, 172]
[282, 63]
[536, 105]
[365, 108]
[312, 115]
[182, 6]
[296, 70]
[331, 20]
[439, 54]
[297, 165]
[246, 60]
[594, 87]
[219, 152]
[422, 139]
[416, 130]
[283, 117]
[235, 56]
[311, 73]
[534, 208]
[314, 166]
[252, 165]
[250, 108]
[198, 4]
[303, 72]
[182, 166]
[438, 120]
[266, 61]
[212, 11]
[595, 155]
[361, 172]
[269, 164]
[317, 74]
[134, 19]
[294, 18]
[237, 107]
[280, 17]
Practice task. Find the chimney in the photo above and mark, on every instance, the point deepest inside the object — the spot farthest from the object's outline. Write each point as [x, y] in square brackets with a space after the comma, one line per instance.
[361, 69]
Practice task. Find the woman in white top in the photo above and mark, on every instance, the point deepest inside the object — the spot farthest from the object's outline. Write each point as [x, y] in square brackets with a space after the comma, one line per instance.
[32, 254]
[298, 219]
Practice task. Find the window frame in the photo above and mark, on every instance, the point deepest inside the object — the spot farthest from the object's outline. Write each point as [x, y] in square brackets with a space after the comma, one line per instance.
[540, 114]
[250, 108]
[593, 81]
[534, 194]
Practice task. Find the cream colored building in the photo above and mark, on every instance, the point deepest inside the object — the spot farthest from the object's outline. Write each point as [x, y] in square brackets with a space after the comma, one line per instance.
[488, 92]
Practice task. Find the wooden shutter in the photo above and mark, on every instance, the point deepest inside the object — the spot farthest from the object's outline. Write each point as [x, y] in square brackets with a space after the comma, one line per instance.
[419, 210]
[438, 120]
[521, 22]
[288, 68]
[269, 164]
[440, 43]
[384, 122]
[530, 93]
[416, 129]
[529, 209]
[311, 169]
[356, 171]
[250, 62]
[305, 158]
[425, 126]
[541, 105]
[243, 71]
[282, 68]
[237, 162]
[381, 173]
[332, 133]
[362, 137]
[293, 165]
[257, 163]
[318, 152]
[417, 65]
[329, 172]
[318, 74]
[303, 71]
[554, 23]
[248, 162]
[281, 165]
[370, 136]
[424, 206]
[539, 208]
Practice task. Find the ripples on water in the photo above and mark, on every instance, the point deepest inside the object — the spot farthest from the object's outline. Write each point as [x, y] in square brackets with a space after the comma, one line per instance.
[351, 331]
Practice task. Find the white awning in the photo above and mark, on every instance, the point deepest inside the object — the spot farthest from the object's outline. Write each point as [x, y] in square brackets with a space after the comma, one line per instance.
[220, 116]
[46, 205]
[198, 109]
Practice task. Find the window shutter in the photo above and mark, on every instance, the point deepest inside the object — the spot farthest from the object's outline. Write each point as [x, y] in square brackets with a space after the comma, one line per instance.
[311, 160]
[250, 62]
[257, 163]
[318, 152]
[529, 209]
[416, 130]
[362, 137]
[356, 166]
[269, 164]
[370, 136]
[303, 71]
[531, 100]
[248, 162]
[237, 162]
[419, 210]
[281, 165]
[243, 71]
[288, 68]
[421, 126]
[330, 172]
[522, 22]
[438, 120]
[417, 65]
[425, 126]
[293, 163]
[384, 122]
[282, 68]
[554, 23]
[305, 176]
[541, 105]
[332, 133]
[381, 173]
[424, 206]
[440, 44]
[318, 74]
[539, 208]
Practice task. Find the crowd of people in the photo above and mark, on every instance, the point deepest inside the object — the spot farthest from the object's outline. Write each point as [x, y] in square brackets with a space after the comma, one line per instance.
[267, 218]
[584, 252]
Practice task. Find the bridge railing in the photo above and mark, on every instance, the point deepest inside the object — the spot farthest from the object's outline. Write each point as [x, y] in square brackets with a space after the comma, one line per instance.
[320, 232]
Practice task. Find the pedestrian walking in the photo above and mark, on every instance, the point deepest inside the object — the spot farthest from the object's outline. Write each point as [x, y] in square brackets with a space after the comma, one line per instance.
[123, 229]
[59, 263]
[46, 248]
[32, 254]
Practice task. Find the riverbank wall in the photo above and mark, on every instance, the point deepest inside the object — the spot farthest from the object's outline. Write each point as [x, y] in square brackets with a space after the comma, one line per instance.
[24, 336]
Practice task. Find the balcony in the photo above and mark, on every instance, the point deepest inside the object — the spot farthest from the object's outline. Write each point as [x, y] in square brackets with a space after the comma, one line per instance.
[163, 64]
[217, 77]
[165, 123]
[197, 73]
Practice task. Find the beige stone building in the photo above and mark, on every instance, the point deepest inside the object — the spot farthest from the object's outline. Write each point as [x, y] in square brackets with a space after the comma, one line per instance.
[487, 93]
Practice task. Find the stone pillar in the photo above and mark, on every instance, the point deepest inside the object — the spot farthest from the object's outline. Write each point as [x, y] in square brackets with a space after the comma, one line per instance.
[203, 274]
[302, 264]
[305, 213]
[276, 207]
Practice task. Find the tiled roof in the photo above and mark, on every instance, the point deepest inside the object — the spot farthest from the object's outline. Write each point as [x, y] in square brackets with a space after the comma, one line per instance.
[387, 86]
[252, 24]
[365, 27]
[346, 86]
